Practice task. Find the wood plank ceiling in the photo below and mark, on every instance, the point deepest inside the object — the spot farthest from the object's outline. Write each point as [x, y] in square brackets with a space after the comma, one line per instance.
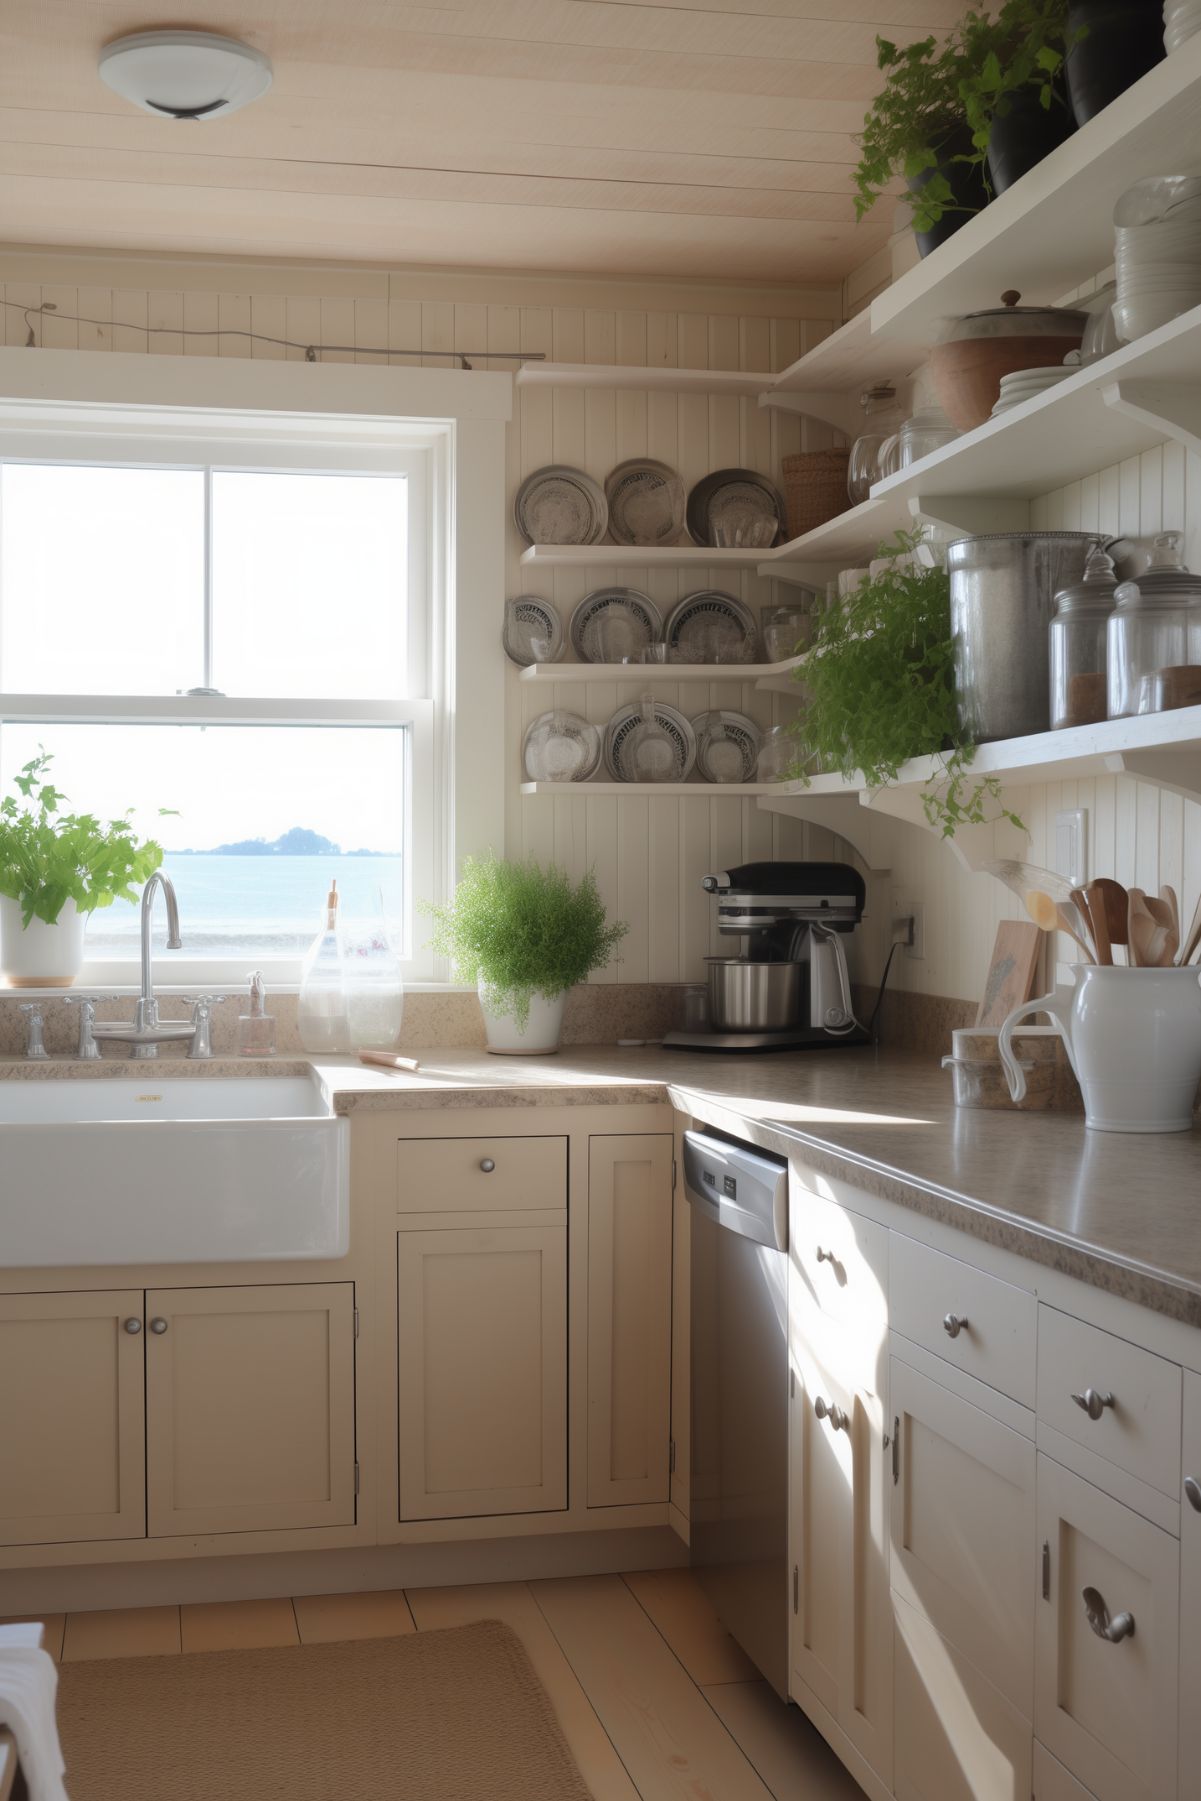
[681, 138]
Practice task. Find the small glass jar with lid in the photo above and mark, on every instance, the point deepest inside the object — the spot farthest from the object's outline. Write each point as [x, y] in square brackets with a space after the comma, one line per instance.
[1079, 694]
[881, 422]
[1154, 646]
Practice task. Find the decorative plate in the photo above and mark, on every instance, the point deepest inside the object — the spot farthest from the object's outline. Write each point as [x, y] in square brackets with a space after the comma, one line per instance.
[560, 505]
[678, 731]
[612, 623]
[711, 627]
[646, 503]
[560, 747]
[729, 496]
[727, 746]
[533, 631]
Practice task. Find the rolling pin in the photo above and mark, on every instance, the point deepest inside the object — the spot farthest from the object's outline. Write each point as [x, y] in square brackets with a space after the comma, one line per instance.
[389, 1060]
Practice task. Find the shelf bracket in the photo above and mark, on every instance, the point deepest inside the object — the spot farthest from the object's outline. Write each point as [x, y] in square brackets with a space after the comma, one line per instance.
[1179, 771]
[807, 575]
[972, 846]
[830, 406]
[1170, 407]
[837, 813]
[967, 515]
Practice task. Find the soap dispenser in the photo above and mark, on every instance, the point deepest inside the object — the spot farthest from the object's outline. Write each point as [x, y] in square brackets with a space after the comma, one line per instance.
[256, 1029]
[321, 1009]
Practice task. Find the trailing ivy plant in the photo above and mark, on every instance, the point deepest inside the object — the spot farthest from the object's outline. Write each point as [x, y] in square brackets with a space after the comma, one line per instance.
[880, 681]
[48, 857]
[521, 929]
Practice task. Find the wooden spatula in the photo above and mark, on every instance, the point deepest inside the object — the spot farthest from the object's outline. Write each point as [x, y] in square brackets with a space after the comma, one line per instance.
[1153, 942]
[1194, 938]
[1107, 896]
[1055, 916]
[1094, 904]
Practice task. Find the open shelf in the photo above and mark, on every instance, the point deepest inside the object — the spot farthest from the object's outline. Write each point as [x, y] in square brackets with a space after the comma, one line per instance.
[645, 378]
[638, 556]
[762, 674]
[698, 790]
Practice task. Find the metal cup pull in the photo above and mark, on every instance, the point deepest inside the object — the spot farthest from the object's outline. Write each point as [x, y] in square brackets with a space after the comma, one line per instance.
[827, 1410]
[1114, 1630]
[954, 1323]
[1093, 1402]
[1192, 1492]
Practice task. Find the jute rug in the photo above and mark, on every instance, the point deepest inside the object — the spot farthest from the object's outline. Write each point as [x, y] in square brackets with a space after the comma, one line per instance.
[455, 1715]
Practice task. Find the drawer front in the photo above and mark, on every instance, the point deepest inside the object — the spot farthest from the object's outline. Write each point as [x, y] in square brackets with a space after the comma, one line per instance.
[957, 1737]
[473, 1175]
[840, 1258]
[982, 1325]
[1052, 1782]
[1134, 1395]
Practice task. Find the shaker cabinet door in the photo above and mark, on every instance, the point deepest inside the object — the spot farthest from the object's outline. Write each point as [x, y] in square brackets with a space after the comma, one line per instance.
[1190, 1595]
[72, 1426]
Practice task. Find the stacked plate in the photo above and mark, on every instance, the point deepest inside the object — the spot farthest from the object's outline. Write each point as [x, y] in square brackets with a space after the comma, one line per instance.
[560, 747]
[1181, 21]
[1157, 253]
[1024, 384]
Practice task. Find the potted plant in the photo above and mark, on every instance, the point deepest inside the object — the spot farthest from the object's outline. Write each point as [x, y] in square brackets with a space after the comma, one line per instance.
[55, 869]
[1113, 43]
[880, 683]
[524, 934]
[1012, 88]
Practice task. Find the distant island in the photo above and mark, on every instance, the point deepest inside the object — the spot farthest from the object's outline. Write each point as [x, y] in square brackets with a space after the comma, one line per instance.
[299, 841]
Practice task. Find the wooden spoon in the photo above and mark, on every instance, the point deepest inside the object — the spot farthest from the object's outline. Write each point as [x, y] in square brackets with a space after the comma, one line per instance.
[1193, 939]
[1110, 896]
[1084, 923]
[1098, 918]
[1051, 916]
[1167, 895]
[1153, 943]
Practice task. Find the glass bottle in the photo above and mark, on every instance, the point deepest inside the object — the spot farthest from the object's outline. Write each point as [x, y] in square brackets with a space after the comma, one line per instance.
[321, 1008]
[375, 996]
[1154, 646]
[881, 421]
[1079, 635]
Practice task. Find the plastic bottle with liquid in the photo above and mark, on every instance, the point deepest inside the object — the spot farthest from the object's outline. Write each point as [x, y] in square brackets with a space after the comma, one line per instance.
[321, 1009]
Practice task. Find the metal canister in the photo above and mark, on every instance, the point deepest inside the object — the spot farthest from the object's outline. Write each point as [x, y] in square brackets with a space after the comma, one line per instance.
[753, 997]
[1003, 587]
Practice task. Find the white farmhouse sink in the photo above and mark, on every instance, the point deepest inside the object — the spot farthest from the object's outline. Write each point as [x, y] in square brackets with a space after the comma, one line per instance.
[151, 1169]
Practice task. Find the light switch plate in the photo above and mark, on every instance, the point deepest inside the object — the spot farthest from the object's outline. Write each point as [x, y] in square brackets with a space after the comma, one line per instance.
[1071, 845]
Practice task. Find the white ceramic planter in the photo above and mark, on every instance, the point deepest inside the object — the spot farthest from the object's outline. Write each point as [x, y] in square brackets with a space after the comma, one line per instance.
[38, 955]
[537, 1038]
[1133, 1037]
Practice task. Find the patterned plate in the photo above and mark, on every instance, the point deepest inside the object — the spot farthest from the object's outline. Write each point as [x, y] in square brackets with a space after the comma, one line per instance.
[560, 747]
[612, 623]
[733, 494]
[727, 746]
[646, 503]
[560, 505]
[533, 631]
[712, 627]
[673, 724]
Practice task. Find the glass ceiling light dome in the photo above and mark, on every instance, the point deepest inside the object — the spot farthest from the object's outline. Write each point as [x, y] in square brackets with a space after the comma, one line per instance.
[185, 74]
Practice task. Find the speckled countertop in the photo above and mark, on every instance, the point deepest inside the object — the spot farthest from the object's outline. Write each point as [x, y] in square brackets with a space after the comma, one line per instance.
[1122, 1212]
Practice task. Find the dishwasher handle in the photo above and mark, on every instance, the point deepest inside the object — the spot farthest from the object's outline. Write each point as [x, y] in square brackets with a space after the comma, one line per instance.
[737, 1188]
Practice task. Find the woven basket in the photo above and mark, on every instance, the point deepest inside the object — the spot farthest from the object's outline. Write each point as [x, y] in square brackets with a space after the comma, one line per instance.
[815, 488]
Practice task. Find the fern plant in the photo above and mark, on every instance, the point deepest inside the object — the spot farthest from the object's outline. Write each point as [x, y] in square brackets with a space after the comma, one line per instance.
[48, 857]
[520, 929]
[880, 681]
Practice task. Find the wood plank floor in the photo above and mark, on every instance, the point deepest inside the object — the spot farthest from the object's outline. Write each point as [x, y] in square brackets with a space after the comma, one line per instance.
[656, 1701]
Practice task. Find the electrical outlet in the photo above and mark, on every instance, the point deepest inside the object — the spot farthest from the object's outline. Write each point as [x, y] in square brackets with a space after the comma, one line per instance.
[1071, 845]
[903, 907]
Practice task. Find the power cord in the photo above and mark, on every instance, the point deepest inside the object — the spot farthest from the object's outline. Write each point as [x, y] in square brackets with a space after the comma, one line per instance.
[902, 934]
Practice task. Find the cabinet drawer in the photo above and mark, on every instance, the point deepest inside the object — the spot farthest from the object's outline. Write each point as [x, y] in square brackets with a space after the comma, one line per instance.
[841, 1258]
[1052, 1782]
[984, 1326]
[474, 1175]
[1139, 1427]
[957, 1737]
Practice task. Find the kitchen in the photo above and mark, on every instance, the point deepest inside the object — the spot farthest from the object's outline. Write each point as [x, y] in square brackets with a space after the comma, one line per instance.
[463, 1342]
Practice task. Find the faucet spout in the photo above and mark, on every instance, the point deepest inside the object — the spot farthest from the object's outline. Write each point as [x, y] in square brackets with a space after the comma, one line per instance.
[174, 941]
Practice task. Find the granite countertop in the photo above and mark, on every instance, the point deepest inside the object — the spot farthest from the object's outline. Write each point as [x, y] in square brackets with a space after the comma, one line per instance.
[1119, 1211]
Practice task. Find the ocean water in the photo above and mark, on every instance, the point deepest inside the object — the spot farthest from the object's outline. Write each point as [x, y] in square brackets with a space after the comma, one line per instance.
[257, 905]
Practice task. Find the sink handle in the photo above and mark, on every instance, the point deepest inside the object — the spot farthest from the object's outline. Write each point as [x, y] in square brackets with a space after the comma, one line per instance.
[88, 1050]
[35, 1049]
[202, 1018]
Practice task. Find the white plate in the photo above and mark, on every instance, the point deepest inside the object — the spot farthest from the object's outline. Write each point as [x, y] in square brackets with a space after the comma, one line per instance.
[560, 505]
[529, 618]
[646, 503]
[678, 730]
[612, 623]
[560, 747]
[727, 746]
[711, 627]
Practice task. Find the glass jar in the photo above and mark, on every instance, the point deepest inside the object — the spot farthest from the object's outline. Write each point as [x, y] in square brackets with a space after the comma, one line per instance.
[787, 630]
[1079, 635]
[1154, 644]
[881, 421]
[923, 434]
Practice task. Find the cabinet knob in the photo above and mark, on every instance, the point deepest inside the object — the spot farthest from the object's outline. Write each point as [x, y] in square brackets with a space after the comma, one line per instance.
[158, 1326]
[1093, 1402]
[133, 1326]
[1112, 1630]
[954, 1324]
[827, 1410]
[1192, 1492]
[824, 1256]
[487, 1164]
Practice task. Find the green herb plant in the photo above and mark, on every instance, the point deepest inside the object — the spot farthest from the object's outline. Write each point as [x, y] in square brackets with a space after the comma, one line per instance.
[521, 929]
[48, 857]
[1022, 47]
[880, 681]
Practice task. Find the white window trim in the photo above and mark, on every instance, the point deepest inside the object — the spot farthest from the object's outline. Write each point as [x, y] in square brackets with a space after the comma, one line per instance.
[80, 406]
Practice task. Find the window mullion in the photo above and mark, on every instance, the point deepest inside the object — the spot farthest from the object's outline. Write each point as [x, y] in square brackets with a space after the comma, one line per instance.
[207, 677]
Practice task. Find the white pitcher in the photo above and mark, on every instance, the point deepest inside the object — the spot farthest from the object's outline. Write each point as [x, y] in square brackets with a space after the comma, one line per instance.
[1133, 1038]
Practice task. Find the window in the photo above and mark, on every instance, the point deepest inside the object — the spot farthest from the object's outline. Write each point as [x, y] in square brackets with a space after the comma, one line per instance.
[243, 633]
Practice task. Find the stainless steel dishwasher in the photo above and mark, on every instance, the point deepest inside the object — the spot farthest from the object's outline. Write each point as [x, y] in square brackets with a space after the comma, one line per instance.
[739, 1370]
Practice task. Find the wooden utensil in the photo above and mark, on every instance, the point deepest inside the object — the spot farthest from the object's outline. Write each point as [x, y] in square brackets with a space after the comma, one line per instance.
[1055, 917]
[1167, 895]
[1085, 922]
[1193, 939]
[1153, 942]
[1105, 893]
[388, 1060]
[1094, 903]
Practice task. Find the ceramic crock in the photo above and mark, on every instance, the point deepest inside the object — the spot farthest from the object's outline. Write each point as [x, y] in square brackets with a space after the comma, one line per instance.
[538, 1037]
[39, 955]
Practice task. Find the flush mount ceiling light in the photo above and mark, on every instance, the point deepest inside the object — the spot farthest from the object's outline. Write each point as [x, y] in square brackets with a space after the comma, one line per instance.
[185, 74]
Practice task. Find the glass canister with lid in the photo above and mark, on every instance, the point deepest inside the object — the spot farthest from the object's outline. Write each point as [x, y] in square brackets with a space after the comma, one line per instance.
[1079, 636]
[881, 422]
[1154, 637]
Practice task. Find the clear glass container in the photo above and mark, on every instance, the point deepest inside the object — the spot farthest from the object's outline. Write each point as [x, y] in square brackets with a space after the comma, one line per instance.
[924, 433]
[881, 421]
[1154, 645]
[256, 1029]
[375, 995]
[321, 1006]
[1079, 635]
[787, 630]
[649, 754]
[777, 755]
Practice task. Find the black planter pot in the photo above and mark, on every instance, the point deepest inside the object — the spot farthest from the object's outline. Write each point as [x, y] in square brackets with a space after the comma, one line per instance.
[1025, 133]
[968, 187]
[1120, 41]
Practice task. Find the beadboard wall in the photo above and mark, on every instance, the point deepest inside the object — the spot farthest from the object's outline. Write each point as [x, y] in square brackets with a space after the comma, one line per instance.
[649, 854]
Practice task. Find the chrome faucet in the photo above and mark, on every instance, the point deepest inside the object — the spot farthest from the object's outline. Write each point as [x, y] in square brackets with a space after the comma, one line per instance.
[145, 1033]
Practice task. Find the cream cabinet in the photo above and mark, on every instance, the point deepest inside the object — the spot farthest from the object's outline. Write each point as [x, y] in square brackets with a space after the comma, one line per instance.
[629, 1317]
[250, 1408]
[958, 1738]
[841, 1634]
[1190, 1595]
[482, 1370]
[72, 1425]
[1107, 1641]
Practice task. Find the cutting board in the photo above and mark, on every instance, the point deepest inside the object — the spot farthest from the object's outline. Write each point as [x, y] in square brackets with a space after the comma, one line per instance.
[1012, 972]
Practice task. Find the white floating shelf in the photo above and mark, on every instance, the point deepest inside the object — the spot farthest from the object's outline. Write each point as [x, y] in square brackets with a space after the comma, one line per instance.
[662, 673]
[656, 378]
[698, 790]
[638, 556]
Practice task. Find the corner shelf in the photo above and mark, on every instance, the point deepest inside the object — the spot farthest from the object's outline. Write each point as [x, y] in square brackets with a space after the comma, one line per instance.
[769, 677]
[655, 378]
[661, 790]
[638, 556]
